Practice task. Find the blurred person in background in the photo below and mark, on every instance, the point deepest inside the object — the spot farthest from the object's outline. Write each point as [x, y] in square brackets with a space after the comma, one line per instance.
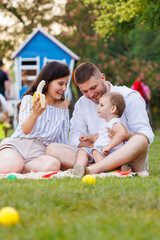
[4, 108]
[147, 93]
[4, 81]
[138, 86]
[3, 126]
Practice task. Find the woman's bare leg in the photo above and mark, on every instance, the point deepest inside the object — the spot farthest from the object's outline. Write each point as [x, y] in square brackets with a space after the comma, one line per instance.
[42, 164]
[64, 153]
[10, 161]
[133, 150]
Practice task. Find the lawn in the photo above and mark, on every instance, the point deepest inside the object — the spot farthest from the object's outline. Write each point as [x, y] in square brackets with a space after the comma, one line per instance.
[113, 208]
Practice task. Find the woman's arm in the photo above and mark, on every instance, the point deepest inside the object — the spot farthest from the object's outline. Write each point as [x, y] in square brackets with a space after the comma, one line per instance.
[28, 124]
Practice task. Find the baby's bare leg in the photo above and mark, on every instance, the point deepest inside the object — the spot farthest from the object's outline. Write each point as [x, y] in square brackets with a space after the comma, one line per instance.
[97, 155]
[81, 163]
[82, 157]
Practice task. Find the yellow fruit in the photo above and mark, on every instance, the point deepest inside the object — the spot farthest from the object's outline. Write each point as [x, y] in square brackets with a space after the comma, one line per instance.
[89, 179]
[8, 216]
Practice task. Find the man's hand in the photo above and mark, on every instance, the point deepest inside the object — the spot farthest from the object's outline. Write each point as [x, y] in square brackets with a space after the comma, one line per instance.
[127, 134]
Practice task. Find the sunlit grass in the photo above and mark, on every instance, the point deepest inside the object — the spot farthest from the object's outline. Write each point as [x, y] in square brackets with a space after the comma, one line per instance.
[113, 208]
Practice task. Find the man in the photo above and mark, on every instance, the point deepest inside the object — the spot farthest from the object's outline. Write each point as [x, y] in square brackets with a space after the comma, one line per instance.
[3, 80]
[85, 121]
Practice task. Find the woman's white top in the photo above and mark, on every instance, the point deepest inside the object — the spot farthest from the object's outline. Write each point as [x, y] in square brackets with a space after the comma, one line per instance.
[104, 139]
[51, 126]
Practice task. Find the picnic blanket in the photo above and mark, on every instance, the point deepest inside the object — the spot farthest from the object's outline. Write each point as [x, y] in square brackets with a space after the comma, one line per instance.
[69, 173]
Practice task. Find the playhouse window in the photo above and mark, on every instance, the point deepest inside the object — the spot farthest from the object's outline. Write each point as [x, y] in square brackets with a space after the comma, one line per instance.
[29, 63]
[29, 69]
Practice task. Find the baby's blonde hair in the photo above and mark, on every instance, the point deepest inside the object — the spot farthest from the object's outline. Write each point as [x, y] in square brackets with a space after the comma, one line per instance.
[117, 100]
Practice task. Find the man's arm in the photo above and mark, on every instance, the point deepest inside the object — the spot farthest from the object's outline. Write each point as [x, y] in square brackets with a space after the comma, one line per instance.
[85, 120]
[127, 134]
[137, 118]
[78, 126]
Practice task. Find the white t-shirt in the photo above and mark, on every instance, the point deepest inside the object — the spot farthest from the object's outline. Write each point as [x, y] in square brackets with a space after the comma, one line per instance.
[104, 139]
[85, 119]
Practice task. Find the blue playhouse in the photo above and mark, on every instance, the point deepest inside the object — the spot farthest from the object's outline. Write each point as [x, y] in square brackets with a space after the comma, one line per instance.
[39, 48]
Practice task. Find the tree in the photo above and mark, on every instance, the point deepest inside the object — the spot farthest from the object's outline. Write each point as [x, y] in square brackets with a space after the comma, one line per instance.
[23, 17]
[120, 16]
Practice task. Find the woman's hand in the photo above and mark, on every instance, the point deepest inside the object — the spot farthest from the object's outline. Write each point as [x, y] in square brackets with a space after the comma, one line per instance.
[29, 123]
[37, 109]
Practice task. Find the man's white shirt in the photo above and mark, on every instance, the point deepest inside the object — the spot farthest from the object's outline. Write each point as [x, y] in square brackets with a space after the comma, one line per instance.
[85, 119]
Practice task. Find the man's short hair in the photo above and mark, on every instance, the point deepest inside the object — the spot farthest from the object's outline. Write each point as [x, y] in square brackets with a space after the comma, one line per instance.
[85, 71]
[1, 63]
[117, 100]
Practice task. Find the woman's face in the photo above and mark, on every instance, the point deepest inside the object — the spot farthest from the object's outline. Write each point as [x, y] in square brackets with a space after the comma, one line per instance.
[57, 87]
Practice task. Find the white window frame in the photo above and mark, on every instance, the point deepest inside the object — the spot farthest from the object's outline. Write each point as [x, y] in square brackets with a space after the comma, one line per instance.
[46, 60]
[29, 67]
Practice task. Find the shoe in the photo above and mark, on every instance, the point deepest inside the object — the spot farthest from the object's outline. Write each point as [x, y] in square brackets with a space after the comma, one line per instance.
[125, 168]
[79, 170]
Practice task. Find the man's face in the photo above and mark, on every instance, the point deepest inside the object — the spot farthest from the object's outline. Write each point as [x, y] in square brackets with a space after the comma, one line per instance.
[94, 88]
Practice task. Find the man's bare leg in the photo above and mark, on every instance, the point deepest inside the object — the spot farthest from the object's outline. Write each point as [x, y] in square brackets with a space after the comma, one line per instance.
[133, 150]
[64, 153]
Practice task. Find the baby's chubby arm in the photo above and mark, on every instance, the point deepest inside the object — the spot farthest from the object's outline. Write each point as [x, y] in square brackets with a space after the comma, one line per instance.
[119, 136]
[87, 140]
[92, 137]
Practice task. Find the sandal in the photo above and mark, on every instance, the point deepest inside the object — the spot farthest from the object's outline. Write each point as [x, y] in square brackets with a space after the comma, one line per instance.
[79, 170]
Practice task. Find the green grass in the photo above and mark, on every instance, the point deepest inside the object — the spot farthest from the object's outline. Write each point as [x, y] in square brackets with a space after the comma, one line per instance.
[113, 208]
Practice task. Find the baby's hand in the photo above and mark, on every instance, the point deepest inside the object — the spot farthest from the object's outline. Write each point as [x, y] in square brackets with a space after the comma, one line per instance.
[83, 138]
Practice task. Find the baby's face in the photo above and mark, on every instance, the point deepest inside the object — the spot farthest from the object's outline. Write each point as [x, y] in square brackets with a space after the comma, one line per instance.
[105, 107]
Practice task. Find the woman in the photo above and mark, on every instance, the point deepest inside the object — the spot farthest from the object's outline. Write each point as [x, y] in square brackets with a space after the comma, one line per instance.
[25, 149]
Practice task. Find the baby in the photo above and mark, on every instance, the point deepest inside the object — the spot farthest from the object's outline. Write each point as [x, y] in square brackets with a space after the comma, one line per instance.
[110, 109]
